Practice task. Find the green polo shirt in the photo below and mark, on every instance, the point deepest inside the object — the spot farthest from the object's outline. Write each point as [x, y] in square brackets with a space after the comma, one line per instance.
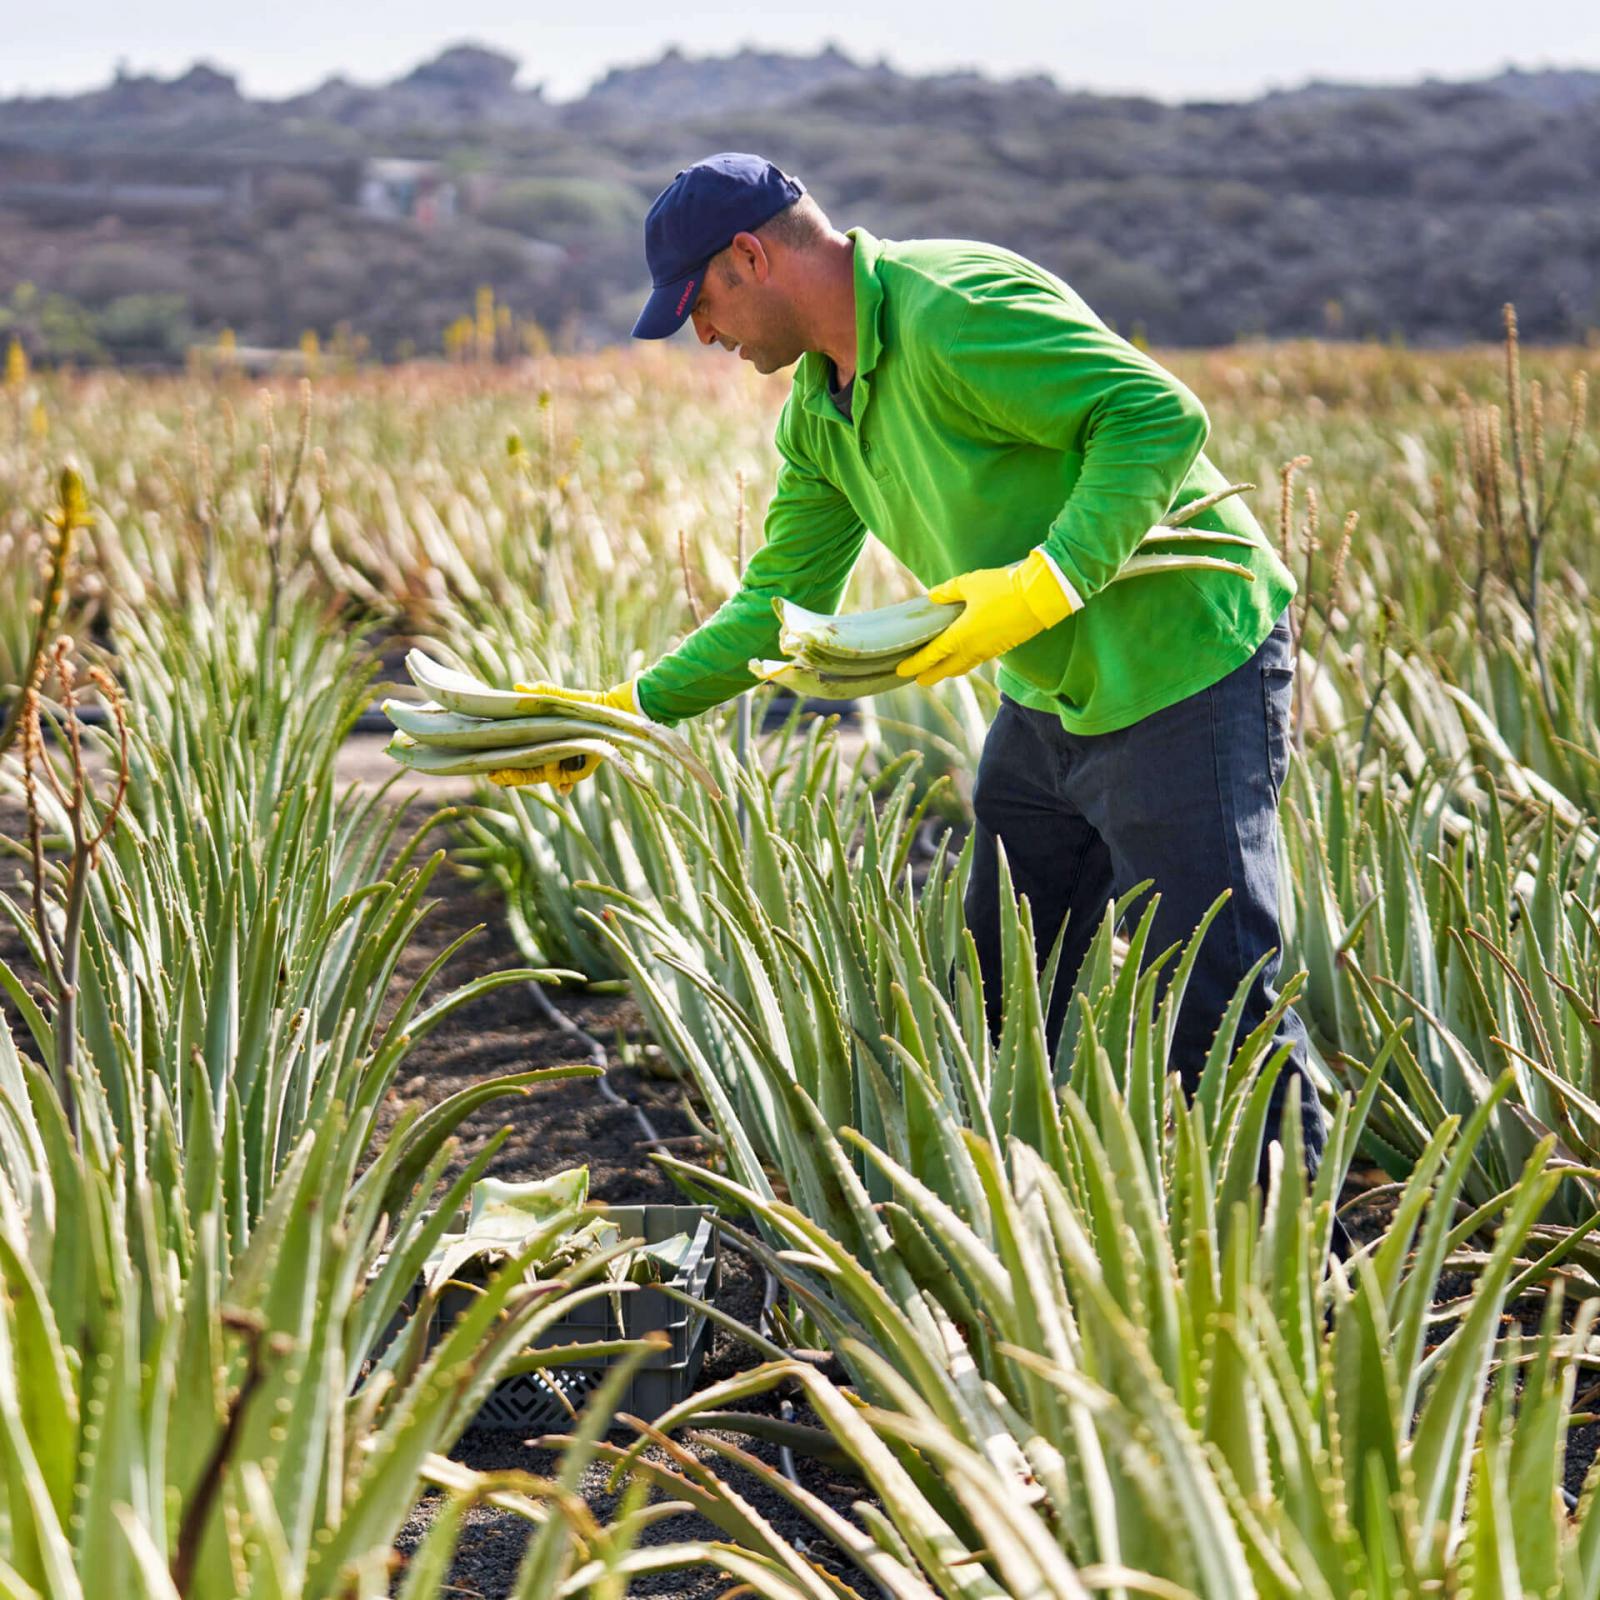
[993, 412]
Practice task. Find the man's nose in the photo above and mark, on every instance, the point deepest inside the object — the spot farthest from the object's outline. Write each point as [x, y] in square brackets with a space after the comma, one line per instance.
[703, 330]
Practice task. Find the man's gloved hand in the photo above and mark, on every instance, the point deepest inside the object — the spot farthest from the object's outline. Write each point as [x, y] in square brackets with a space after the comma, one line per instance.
[620, 697]
[1004, 607]
[564, 775]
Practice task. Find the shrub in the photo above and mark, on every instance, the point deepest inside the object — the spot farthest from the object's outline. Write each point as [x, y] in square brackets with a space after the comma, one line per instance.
[138, 324]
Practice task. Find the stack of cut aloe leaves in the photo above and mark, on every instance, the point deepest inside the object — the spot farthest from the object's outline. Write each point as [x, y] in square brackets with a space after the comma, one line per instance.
[468, 728]
[846, 657]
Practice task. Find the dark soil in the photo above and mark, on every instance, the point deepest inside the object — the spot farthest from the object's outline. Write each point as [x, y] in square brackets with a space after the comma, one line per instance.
[1368, 1209]
[551, 1126]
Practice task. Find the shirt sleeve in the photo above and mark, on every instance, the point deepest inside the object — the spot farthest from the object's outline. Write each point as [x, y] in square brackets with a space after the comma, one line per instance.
[812, 538]
[1034, 363]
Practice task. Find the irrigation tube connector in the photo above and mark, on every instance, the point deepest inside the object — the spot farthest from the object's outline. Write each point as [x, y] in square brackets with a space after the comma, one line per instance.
[597, 1054]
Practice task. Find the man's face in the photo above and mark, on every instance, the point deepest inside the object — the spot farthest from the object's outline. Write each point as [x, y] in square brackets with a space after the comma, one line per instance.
[741, 308]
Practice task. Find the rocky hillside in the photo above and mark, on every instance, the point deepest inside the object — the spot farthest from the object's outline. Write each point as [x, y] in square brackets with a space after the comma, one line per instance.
[153, 212]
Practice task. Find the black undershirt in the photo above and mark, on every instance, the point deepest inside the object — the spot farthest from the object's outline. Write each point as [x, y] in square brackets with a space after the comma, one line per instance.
[841, 396]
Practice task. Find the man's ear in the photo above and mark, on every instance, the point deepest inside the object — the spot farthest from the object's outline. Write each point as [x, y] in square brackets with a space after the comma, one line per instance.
[751, 257]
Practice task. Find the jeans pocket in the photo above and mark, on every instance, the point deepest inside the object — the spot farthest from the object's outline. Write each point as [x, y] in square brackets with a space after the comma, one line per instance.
[1277, 692]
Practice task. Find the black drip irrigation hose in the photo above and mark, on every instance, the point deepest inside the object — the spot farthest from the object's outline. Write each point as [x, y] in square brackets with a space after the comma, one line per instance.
[597, 1054]
[769, 1298]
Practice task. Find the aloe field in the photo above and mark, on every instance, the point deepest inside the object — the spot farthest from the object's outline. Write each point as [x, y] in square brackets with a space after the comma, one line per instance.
[317, 1072]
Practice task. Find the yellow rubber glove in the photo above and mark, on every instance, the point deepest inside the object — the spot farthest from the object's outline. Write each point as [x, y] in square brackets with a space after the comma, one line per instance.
[561, 775]
[1003, 607]
[565, 775]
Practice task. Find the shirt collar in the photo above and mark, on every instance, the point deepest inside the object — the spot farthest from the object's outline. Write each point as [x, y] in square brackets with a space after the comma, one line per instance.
[869, 301]
[869, 332]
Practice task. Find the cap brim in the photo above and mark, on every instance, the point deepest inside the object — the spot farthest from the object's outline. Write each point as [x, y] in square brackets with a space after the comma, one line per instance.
[668, 307]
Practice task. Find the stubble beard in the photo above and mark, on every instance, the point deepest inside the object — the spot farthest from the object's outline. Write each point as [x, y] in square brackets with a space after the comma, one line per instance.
[781, 349]
[765, 362]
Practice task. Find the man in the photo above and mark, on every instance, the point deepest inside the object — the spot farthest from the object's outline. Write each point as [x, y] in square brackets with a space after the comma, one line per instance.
[969, 409]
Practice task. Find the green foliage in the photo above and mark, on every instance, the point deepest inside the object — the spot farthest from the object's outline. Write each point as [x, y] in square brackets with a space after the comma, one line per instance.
[51, 326]
[1096, 1347]
[199, 1263]
[145, 325]
[1205, 221]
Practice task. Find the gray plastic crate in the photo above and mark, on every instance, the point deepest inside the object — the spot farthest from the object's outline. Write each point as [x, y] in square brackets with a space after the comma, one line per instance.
[529, 1400]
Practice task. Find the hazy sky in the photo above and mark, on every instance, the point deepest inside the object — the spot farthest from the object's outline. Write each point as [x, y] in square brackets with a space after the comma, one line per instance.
[1177, 49]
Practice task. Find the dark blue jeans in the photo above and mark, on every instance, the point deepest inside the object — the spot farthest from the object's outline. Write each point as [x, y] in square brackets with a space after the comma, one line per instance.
[1187, 796]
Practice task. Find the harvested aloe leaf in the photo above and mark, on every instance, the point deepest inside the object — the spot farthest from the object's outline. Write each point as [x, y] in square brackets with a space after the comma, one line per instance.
[1195, 536]
[462, 693]
[1143, 565]
[512, 1211]
[890, 632]
[1187, 513]
[504, 1218]
[498, 722]
[661, 1262]
[854, 670]
[815, 685]
[449, 730]
[479, 763]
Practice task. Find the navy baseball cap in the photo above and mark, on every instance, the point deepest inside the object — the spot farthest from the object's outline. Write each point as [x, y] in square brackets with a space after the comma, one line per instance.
[694, 217]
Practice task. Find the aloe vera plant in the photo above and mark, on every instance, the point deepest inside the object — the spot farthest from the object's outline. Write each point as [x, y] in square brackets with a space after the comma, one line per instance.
[1029, 1264]
[1254, 1428]
[246, 914]
[187, 1418]
[1472, 923]
[199, 1263]
[1100, 1357]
